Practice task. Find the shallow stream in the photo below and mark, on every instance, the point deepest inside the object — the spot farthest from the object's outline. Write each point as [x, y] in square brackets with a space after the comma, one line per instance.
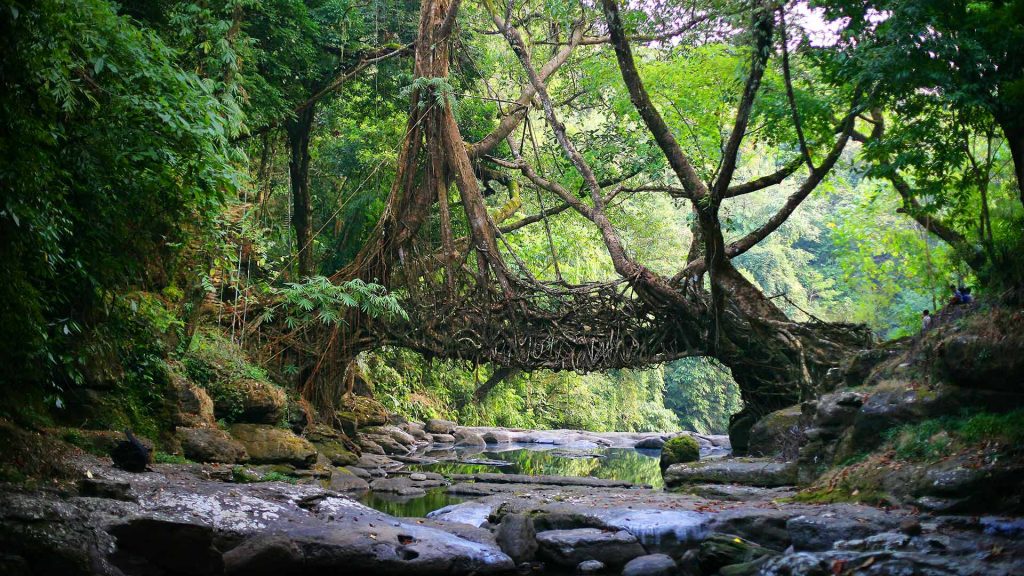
[637, 466]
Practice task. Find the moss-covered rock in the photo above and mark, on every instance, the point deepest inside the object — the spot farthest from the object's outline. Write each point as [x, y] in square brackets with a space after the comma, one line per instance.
[210, 445]
[355, 411]
[241, 391]
[193, 406]
[331, 445]
[260, 402]
[778, 434]
[270, 445]
[680, 449]
[732, 555]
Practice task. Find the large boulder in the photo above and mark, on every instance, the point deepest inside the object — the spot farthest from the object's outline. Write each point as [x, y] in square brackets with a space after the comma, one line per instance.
[977, 361]
[468, 438]
[399, 435]
[210, 445]
[569, 548]
[682, 448]
[417, 430]
[251, 401]
[439, 426]
[517, 537]
[193, 406]
[331, 445]
[343, 480]
[271, 445]
[358, 411]
[497, 437]
[651, 443]
[778, 434]
[387, 443]
[399, 486]
[651, 565]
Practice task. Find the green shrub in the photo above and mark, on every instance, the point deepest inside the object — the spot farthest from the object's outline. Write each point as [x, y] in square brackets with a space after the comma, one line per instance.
[165, 458]
[932, 439]
[218, 364]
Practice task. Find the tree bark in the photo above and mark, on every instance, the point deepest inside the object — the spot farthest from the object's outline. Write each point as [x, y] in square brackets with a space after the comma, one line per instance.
[500, 375]
[299, 131]
[1015, 139]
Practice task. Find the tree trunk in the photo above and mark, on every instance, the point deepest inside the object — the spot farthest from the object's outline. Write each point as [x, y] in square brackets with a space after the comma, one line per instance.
[1015, 138]
[776, 362]
[500, 375]
[299, 131]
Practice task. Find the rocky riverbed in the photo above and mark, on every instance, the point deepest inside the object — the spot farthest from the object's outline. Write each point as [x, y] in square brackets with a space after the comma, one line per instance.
[727, 516]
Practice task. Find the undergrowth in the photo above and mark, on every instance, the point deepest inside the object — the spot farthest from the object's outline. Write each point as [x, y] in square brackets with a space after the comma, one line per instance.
[932, 439]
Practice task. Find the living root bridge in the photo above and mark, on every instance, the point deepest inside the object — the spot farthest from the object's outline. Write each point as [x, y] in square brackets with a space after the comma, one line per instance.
[472, 298]
[553, 326]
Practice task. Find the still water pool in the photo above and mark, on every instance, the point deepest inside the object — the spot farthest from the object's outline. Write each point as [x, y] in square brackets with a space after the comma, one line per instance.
[627, 464]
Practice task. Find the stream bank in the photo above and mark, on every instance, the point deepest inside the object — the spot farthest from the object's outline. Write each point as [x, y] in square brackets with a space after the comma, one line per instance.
[198, 519]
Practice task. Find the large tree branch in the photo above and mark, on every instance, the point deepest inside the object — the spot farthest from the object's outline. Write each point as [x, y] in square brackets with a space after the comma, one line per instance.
[667, 35]
[764, 181]
[337, 82]
[680, 164]
[521, 106]
[790, 95]
[747, 242]
[762, 29]
[621, 261]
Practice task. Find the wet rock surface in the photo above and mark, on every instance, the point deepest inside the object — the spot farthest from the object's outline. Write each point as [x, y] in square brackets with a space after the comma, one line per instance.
[513, 523]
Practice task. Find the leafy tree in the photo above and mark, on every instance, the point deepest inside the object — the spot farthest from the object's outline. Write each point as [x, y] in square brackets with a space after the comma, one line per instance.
[113, 155]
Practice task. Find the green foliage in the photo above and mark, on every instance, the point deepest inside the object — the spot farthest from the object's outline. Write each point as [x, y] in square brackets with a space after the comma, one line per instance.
[439, 90]
[219, 365]
[319, 299]
[165, 458]
[112, 155]
[937, 438]
[702, 393]
[628, 400]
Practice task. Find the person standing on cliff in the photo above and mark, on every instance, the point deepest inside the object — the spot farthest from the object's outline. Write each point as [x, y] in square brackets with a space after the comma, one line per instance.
[926, 321]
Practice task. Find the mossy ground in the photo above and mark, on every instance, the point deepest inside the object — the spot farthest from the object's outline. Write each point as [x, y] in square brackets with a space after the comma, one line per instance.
[887, 475]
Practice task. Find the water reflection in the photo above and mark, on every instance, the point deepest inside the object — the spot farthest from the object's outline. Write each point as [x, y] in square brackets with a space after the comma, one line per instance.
[627, 464]
[410, 506]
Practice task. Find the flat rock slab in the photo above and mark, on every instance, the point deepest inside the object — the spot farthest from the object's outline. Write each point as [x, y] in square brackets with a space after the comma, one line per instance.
[736, 493]
[549, 480]
[570, 547]
[650, 565]
[747, 471]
